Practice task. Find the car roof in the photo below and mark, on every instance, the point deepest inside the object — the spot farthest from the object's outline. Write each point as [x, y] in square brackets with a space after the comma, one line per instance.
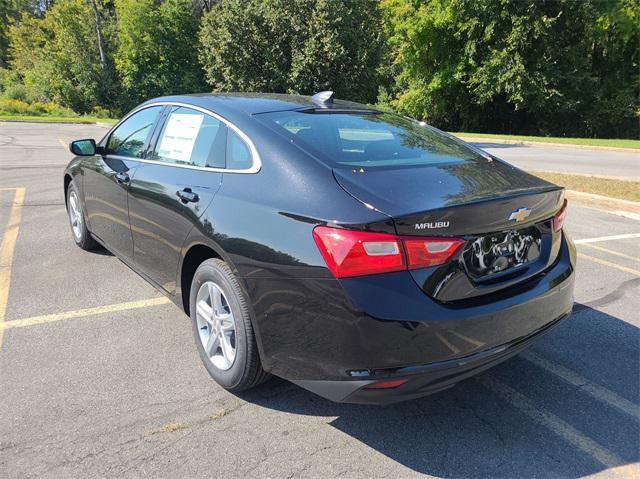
[254, 103]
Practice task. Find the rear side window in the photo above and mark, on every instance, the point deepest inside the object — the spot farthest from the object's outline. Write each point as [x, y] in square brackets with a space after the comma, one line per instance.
[238, 153]
[130, 137]
[369, 139]
[190, 137]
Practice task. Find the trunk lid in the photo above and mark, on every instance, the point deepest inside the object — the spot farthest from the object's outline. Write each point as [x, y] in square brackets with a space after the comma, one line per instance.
[503, 213]
[455, 199]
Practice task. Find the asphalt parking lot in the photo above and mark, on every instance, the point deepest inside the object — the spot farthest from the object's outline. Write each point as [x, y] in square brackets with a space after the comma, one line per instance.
[99, 376]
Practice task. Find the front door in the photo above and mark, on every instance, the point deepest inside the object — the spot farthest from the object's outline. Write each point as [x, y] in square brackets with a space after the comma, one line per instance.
[106, 180]
[172, 188]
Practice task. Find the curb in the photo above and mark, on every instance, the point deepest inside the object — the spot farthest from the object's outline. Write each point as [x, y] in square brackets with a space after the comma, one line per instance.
[541, 144]
[50, 122]
[586, 175]
[46, 122]
[606, 202]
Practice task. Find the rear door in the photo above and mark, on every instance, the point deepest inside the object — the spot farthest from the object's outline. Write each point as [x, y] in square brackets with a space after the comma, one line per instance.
[172, 187]
[107, 178]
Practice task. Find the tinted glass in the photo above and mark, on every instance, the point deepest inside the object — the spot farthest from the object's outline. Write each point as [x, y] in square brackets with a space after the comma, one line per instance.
[238, 153]
[190, 137]
[130, 137]
[370, 140]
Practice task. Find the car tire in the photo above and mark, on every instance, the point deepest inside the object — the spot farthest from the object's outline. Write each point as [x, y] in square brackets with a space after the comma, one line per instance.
[244, 371]
[77, 220]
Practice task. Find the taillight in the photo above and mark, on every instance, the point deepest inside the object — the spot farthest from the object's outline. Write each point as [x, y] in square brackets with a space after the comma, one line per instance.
[558, 219]
[356, 253]
[422, 253]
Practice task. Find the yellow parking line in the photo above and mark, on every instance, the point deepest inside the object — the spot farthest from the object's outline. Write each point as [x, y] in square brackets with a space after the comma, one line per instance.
[64, 145]
[561, 428]
[598, 392]
[79, 313]
[615, 253]
[610, 264]
[6, 252]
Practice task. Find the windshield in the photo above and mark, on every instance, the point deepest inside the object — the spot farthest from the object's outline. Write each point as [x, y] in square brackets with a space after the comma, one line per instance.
[369, 140]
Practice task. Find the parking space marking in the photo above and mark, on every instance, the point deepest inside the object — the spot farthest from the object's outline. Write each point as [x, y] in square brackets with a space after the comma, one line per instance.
[561, 428]
[609, 263]
[80, 313]
[607, 238]
[598, 392]
[64, 145]
[609, 251]
[7, 246]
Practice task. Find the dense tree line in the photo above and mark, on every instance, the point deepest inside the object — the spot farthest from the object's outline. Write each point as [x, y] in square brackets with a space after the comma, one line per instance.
[561, 67]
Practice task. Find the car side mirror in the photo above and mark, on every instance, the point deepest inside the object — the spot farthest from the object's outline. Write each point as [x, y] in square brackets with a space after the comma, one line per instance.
[83, 147]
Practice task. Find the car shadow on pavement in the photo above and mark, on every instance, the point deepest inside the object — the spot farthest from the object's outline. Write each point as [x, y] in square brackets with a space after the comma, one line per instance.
[545, 427]
[102, 251]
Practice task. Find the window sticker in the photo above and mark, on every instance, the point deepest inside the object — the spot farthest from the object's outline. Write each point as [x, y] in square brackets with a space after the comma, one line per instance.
[179, 137]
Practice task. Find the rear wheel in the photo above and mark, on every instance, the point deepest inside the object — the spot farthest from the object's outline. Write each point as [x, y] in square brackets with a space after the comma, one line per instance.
[81, 234]
[222, 328]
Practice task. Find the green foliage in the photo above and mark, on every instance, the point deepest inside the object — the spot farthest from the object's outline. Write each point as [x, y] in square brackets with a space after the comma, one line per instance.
[539, 66]
[551, 67]
[57, 57]
[292, 46]
[19, 107]
[157, 49]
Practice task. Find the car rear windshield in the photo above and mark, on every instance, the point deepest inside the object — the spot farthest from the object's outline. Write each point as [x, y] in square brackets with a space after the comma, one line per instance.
[369, 140]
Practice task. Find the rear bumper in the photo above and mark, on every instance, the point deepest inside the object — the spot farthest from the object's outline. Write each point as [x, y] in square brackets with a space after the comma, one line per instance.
[424, 379]
[335, 337]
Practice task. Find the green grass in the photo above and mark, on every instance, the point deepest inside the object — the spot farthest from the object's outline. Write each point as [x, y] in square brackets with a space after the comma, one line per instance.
[57, 119]
[624, 190]
[617, 143]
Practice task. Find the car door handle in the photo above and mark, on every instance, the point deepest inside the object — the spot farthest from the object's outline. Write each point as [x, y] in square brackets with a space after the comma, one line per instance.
[188, 196]
[122, 178]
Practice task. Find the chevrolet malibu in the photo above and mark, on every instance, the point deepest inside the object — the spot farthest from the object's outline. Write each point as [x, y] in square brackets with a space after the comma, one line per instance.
[365, 256]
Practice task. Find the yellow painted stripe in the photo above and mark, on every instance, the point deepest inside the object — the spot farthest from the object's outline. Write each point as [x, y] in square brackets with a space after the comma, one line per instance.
[598, 392]
[64, 145]
[610, 264]
[607, 238]
[609, 251]
[80, 313]
[561, 428]
[7, 246]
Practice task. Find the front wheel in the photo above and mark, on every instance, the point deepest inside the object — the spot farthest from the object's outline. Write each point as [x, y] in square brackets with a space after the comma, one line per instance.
[81, 234]
[222, 328]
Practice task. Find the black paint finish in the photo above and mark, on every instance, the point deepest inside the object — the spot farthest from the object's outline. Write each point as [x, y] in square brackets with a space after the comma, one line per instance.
[310, 327]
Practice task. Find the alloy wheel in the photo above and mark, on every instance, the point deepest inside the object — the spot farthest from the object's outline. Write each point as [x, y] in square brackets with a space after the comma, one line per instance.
[216, 325]
[75, 215]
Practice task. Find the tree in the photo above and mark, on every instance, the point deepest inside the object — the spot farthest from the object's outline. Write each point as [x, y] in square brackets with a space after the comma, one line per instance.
[292, 46]
[157, 49]
[526, 66]
[58, 59]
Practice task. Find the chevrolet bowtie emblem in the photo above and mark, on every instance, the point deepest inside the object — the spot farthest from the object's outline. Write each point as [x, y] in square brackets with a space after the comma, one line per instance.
[520, 214]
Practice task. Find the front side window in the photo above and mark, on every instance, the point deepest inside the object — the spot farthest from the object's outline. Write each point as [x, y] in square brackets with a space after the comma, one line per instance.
[129, 138]
[190, 137]
[369, 139]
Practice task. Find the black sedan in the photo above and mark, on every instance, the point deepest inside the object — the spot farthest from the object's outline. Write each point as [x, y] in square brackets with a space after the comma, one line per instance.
[365, 256]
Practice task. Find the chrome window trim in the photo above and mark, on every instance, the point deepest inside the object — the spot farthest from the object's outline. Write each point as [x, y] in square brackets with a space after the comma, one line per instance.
[255, 157]
[176, 165]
